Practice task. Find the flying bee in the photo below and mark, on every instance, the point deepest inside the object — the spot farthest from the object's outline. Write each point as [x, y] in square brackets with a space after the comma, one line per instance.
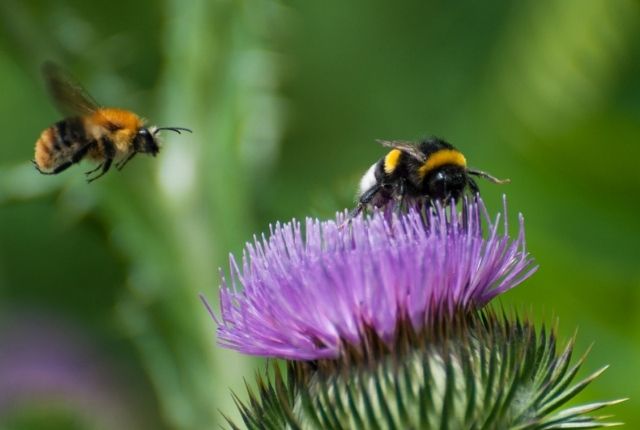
[90, 131]
[431, 170]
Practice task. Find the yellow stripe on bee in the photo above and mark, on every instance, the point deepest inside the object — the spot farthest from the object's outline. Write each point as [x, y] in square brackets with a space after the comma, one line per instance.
[391, 161]
[440, 158]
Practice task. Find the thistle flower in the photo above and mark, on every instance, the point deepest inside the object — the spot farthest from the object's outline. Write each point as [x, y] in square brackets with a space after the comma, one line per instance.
[384, 326]
[309, 295]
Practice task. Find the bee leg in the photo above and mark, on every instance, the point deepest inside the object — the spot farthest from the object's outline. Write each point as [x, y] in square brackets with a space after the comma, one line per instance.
[354, 213]
[363, 201]
[105, 168]
[94, 170]
[474, 187]
[366, 198]
[124, 162]
[109, 151]
[476, 194]
[401, 193]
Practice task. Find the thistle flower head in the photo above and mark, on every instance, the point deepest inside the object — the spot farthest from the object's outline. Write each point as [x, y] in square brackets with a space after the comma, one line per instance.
[309, 293]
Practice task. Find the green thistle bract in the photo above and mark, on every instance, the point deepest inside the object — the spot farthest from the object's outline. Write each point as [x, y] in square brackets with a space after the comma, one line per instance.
[478, 372]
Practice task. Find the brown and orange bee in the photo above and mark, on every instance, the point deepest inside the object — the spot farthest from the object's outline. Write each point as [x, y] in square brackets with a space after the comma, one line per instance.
[90, 131]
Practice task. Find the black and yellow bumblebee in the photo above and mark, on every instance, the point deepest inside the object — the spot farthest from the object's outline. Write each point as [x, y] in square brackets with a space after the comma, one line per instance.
[90, 131]
[431, 170]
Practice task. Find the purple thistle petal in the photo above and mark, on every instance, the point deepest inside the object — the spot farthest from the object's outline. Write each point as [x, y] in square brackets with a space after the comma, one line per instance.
[308, 292]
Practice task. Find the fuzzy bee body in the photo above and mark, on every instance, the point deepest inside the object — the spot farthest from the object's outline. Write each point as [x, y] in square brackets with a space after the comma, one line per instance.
[430, 170]
[58, 144]
[100, 134]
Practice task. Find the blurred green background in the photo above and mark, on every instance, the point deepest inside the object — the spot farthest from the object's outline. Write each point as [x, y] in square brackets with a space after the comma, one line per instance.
[101, 326]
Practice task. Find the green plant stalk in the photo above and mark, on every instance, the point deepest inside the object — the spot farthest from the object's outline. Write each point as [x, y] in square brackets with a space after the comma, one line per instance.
[191, 225]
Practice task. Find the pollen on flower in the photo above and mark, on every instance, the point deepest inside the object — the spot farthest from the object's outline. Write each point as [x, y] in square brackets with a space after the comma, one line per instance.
[307, 293]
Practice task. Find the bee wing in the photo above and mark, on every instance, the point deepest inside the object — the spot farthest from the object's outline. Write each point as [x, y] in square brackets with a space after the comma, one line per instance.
[68, 95]
[410, 148]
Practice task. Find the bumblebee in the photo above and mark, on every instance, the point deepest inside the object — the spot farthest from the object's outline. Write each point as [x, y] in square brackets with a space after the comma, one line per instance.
[430, 170]
[90, 131]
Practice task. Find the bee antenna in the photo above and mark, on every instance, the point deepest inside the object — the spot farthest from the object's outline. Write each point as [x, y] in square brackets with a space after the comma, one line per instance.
[176, 129]
[488, 177]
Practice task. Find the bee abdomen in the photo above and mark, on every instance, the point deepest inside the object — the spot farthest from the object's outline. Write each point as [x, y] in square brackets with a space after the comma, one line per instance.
[58, 143]
[46, 153]
[70, 131]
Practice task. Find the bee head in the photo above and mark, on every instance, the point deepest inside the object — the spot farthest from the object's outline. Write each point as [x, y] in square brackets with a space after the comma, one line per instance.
[447, 182]
[145, 141]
